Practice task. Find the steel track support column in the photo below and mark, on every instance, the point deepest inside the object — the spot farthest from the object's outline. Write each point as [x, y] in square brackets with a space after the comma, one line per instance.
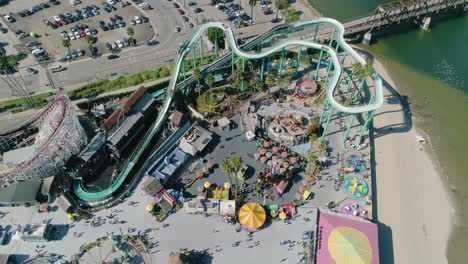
[327, 124]
[243, 70]
[281, 62]
[298, 58]
[318, 65]
[350, 81]
[316, 31]
[233, 58]
[359, 89]
[366, 124]
[262, 69]
[324, 110]
[216, 42]
[330, 63]
[345, 137]
[194, 59]
[201, 51]
[183, 69]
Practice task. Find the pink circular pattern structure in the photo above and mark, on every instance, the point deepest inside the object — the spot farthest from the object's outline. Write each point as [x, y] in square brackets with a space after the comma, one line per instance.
[55, 134]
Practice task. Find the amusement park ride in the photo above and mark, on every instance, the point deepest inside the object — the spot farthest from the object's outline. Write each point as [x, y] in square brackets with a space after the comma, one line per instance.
[54, 140]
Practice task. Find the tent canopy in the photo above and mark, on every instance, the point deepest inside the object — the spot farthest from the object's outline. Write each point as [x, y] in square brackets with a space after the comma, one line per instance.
[252, 216]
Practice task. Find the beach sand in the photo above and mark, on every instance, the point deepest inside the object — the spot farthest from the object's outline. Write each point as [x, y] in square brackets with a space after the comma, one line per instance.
[413, 206]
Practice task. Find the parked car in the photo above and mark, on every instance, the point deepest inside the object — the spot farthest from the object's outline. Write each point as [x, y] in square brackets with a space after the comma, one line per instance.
[31, 70]
[80, 52]
[88, 32]
[57, 68]
[176, 5]
[108, 46]
[20, 34]
[268, 11]
[71, 36]
[177, 29]
[190, 24]
[112, 56]
[21, 14]
[180, 11]
[114, 46]
[132, 22]
[119, 44]
[185, 18]
[138, 20]
[77, 35]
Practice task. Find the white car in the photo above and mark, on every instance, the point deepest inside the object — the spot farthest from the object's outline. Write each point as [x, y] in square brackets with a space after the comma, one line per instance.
[77, 35]
[88, 32]
[57, 18]
[111, 2]
[138, 20]
[37, 51]
[75, 2]
[64, 34]
[119, 44]
[95, 12]
[71, 36]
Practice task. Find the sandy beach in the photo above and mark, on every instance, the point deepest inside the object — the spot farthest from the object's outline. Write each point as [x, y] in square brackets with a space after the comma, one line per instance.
[413, 206]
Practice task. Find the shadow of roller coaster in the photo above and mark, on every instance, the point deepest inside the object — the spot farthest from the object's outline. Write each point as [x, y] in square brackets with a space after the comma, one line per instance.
[377, 98]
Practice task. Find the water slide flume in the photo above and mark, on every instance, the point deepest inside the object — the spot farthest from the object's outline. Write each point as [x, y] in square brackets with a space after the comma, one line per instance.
[95, 196]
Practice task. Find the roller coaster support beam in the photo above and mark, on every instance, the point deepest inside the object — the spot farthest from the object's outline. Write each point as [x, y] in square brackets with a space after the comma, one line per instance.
[345, 137]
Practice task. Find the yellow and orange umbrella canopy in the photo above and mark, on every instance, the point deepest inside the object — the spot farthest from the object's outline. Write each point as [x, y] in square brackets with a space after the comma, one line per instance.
[252, 215]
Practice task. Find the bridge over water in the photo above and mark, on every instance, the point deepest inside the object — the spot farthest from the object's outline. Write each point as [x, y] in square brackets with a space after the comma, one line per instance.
[394, 13]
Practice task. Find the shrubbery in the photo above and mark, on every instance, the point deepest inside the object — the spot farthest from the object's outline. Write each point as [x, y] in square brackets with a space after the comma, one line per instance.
[96, 88]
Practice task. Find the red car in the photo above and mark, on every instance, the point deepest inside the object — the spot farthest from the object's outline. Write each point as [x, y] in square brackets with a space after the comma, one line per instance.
[112, 20]
[82, 33]
[58, 24]
[181, 12]
[268, 12]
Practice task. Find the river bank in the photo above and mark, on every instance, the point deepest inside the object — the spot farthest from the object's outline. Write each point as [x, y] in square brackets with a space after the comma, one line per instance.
[414, 209]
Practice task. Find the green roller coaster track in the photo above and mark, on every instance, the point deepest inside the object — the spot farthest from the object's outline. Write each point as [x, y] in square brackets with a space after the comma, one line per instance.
[184, 51]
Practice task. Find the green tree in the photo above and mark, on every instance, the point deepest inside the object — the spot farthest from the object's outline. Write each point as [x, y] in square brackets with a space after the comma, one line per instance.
[252, 3]
[270, 80]
[236, 163]
[281, 5]
[284, 82]
[66, 43]
[90, 41]
[363, 71]
[212, 32]
[131, 33]
[197, 75]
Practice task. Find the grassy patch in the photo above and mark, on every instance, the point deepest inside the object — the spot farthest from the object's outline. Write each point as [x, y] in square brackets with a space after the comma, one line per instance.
[20, 105]
[96, 88]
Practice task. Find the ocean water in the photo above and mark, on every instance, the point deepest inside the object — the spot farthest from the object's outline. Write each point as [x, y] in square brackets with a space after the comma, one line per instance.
[431, 68]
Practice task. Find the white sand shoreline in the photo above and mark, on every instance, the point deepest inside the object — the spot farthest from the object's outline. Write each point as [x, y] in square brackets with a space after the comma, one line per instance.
[412, 198]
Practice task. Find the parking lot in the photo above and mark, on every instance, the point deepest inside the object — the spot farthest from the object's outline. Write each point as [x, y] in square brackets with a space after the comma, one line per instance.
[233, 13]
[75, 22]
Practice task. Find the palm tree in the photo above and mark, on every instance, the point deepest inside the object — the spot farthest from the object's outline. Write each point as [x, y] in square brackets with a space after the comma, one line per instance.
[66, 43]
[280, 5]
[252, 3]
[90, 41]
[131, 33]
[197, 74]
[209, 80]
[13, 62]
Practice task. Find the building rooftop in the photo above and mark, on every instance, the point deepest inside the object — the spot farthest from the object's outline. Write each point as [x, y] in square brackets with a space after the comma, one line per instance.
[123, 129]
[20, 192]
[96, 143]
[195, 140]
